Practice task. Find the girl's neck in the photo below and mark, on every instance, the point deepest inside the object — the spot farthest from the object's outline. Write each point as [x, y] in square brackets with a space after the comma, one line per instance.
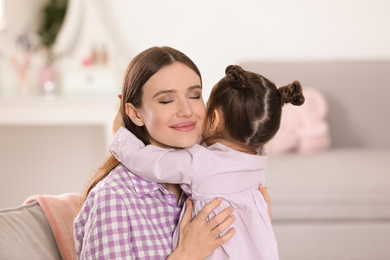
[174, 188]
[233, 145]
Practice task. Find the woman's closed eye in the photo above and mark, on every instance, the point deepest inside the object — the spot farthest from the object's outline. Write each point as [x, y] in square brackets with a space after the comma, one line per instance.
[166, 98]
[196, 97]
[196, 94]
[165, 101]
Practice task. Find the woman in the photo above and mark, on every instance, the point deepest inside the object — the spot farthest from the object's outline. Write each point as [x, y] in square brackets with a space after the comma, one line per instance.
[125, 216]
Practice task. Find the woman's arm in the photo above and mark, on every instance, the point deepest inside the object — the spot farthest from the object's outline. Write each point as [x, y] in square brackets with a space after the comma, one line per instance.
[102, 229]
[199, 237]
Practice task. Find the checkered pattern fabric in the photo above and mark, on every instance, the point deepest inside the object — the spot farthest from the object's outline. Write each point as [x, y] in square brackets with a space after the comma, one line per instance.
[126, 217]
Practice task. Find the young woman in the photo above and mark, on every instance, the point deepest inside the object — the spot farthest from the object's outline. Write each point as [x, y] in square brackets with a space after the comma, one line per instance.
[127, 217]
[244, 112]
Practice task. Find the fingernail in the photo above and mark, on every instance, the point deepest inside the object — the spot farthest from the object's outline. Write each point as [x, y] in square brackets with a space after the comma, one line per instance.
[231, 208]
[233, 217]
[219, 199]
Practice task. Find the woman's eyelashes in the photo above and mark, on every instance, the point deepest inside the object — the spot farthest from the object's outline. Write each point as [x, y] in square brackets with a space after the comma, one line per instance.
[195, 94]
[196, 97]
[167, 100]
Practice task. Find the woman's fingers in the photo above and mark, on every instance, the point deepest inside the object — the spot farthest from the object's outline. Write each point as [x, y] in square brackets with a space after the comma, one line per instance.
[224, 225]
[264, 191]
[220, 218]
[187, 214]
[204, 213]
[118, 119]
[226, 237]
[200, 237]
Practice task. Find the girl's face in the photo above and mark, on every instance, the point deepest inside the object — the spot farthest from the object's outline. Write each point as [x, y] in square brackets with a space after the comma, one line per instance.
[172, 109]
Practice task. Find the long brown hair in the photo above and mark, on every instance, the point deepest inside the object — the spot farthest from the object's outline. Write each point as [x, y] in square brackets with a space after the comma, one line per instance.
[252, 106]
[138, 72]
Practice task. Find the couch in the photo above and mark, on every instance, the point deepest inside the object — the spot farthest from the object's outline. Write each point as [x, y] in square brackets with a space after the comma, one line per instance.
[330, 204]
[42, 228]
[334, 203]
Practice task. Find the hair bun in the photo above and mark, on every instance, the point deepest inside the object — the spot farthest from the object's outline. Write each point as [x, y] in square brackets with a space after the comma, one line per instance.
[292, 93]
[237, 76]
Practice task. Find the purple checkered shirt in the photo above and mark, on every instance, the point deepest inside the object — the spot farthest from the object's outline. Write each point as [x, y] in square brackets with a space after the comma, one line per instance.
[126, 217]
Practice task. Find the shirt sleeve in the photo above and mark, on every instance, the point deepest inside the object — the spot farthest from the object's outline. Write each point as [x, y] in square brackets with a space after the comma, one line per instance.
[154, 163]
[106, 229]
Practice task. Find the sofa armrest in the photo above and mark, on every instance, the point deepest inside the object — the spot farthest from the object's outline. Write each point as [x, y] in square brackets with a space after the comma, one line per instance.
[25, 234]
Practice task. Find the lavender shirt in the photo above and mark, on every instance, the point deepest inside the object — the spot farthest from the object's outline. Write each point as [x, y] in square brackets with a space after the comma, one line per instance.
[126, 217]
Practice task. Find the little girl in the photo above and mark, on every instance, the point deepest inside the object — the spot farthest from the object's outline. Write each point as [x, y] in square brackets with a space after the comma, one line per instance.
[243, 113]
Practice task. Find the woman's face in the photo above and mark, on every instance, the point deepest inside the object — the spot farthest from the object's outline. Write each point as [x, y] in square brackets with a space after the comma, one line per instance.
[172, 109]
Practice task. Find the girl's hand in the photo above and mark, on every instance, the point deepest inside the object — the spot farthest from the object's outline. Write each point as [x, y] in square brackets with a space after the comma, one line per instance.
[118, 120]
[199, 237]
[264, 191]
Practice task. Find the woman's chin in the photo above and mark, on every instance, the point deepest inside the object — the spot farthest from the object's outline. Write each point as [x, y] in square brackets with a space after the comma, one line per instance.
[184, 143]
[175, 142]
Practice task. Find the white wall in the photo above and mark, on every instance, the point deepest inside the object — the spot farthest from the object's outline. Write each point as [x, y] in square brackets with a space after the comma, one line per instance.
[47, 160]
[220, 32]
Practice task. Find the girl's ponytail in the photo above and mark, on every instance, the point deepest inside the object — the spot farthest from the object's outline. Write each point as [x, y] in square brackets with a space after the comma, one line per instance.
[236, 76]
[292, 93]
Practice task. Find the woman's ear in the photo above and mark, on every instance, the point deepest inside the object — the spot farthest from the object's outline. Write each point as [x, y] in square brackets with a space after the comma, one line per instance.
[134, 115]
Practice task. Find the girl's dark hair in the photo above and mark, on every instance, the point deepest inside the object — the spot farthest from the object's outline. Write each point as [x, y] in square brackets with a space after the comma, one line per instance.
[251, 106]
[138, 72]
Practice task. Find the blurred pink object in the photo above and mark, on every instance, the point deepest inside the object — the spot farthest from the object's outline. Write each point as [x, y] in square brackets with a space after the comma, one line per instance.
[21, 61]
[60, 210]
[47, 74]
[303, 129]
[86, 62]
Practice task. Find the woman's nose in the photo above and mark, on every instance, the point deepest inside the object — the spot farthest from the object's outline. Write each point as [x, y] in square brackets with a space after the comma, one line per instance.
[184, 109]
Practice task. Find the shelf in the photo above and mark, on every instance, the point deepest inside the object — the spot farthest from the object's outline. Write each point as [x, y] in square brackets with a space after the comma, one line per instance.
[38, 111]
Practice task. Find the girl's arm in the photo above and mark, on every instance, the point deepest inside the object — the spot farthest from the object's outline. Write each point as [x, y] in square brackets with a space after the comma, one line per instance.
[151, 162]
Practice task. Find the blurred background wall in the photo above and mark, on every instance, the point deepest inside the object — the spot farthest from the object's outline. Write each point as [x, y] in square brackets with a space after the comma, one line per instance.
[44, 158]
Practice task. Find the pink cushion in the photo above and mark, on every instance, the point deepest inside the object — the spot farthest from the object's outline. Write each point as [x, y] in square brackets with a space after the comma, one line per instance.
[303, 129]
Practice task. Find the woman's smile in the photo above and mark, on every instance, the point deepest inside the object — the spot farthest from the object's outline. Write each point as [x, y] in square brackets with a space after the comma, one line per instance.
[184, 126]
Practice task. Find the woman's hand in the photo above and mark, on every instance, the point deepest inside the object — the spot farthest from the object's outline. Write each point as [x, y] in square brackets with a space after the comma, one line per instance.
[118, 119]
[264, 191]
[199, 237]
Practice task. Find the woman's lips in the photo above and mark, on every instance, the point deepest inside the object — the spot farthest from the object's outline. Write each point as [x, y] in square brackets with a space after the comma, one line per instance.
[184, 126]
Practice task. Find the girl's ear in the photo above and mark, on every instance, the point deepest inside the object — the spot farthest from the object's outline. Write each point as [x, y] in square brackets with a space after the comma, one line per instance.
[134, 115]
[215, 120]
